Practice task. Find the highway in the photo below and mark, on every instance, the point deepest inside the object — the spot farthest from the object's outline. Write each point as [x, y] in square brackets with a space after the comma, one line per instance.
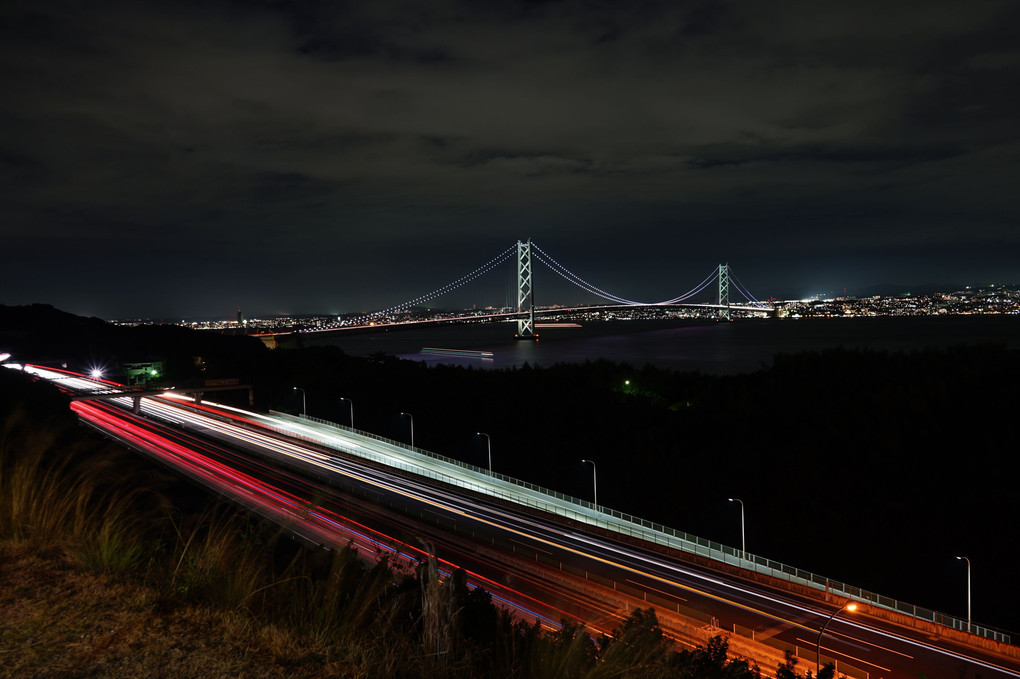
[315, 480]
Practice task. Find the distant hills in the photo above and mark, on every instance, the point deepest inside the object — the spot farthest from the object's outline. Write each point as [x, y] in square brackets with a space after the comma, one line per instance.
[40, 333]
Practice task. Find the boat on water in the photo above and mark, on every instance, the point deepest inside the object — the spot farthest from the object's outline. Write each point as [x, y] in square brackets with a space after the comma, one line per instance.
[463, 353]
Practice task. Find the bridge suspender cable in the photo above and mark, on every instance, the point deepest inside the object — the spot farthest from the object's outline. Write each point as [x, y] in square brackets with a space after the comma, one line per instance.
[743, 291]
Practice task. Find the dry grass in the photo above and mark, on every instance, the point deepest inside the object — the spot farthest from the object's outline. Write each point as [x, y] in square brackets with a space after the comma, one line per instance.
[57, 620]
[38, 497]
[59, 489]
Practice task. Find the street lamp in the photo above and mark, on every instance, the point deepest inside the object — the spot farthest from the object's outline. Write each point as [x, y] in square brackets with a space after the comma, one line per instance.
[963, 558]
[352, 409]
[743, 542]
[850, 606]
[412, 427]
[304, 400]
[594, 482]
[489, 440]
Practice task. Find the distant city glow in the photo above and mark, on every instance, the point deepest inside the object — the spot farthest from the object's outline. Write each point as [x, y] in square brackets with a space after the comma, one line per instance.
[991, 300]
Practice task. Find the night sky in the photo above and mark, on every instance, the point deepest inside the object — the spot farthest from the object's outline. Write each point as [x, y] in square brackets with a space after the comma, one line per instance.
[186, 158]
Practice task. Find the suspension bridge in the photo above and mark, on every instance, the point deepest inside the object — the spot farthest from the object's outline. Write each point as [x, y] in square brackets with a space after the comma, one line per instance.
[522, 258]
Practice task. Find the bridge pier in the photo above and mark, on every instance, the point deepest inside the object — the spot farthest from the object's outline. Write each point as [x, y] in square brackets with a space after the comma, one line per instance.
[136, 404]
[724, 290]
[525, 293]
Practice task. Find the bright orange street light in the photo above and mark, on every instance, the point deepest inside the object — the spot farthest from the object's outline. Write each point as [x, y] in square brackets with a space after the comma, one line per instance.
[849, 606]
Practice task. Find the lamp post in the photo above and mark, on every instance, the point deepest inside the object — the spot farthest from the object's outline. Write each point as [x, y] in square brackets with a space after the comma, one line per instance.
[304, 400]
[412, 427]
[489, 441]
[743, 542]
[594, 482]
[963, 558]
[352, 409]
[850, 606]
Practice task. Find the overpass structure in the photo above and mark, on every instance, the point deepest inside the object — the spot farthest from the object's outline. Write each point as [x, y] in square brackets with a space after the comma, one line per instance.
[136, 395]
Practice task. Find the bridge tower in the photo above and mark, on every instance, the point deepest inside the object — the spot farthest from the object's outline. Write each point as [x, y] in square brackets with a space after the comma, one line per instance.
[525, 293]
[724, 290]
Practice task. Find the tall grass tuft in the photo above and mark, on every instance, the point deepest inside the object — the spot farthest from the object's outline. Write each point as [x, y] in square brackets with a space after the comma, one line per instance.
[57, 489]
[439, 617]
[115, 541]
[214, 563]
[38, 495]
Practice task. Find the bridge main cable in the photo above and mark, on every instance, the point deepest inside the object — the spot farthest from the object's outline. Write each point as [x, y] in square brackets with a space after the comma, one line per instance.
[570, 276]
[449, 287]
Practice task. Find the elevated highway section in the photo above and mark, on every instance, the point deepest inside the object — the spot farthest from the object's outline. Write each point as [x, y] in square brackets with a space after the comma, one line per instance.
[542, 553]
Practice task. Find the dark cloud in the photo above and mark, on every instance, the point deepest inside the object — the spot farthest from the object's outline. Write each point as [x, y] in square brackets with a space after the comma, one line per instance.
[285, 137]
[883, 157]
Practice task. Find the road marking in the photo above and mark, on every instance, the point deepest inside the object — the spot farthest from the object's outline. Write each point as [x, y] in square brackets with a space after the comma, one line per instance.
[771, 632]
[648, 587]
[855, 639]
[530, 546]
[831, 650]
